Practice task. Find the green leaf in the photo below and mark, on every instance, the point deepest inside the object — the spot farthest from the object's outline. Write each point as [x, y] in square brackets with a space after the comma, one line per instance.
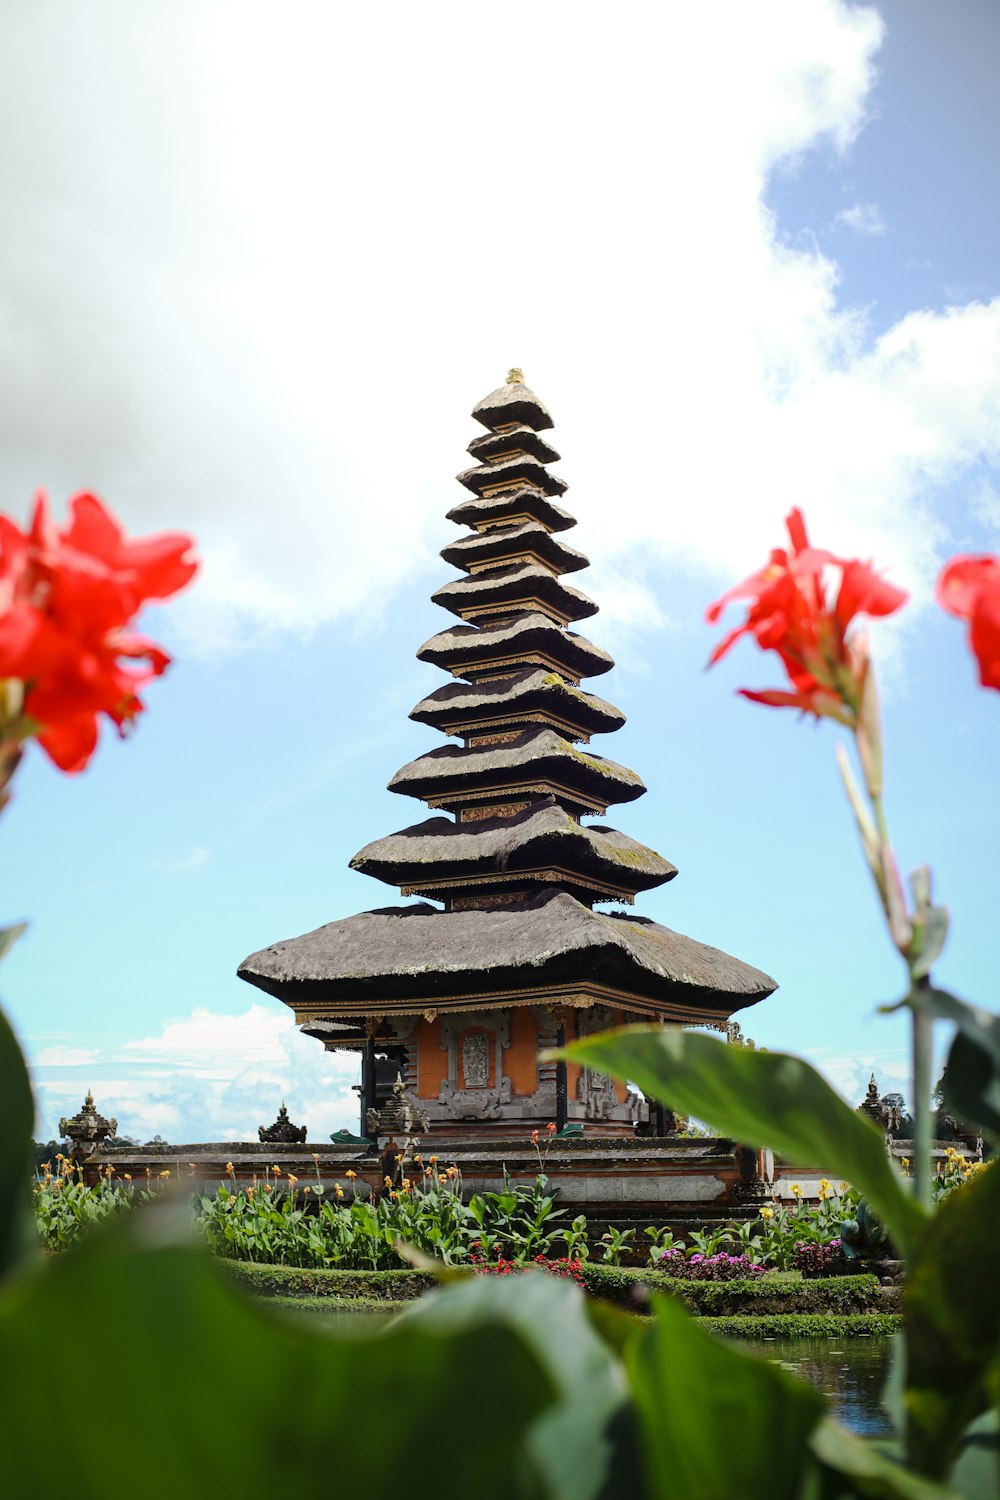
[972, 1079]
[569, 1445]
[215, 1395]
[17, 1118]
[9, 936]
[716, 1423]
[930, 929]
[868, 1470]
[952, 1311]
[762, 1099]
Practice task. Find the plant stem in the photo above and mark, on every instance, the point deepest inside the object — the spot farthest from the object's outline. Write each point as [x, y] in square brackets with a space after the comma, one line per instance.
[881, 822]
[922, 1033]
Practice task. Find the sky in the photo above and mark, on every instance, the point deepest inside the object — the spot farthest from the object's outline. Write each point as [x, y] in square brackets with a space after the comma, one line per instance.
[259, 265]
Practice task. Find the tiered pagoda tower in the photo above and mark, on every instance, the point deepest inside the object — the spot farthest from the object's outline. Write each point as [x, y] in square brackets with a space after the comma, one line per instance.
[460, 998]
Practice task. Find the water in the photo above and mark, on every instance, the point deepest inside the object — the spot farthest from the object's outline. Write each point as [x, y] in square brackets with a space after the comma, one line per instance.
[849, 1372]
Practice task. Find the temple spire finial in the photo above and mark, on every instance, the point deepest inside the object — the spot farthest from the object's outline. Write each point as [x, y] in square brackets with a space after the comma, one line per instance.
[515, 376]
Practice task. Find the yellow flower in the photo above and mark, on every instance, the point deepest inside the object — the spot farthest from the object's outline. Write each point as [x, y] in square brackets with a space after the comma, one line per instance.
[387, 1181]
[452, 1172]
[442, 1177]
[843, 1187]
[229, 1168]
[394, 1197]
[796, 1190]
[432, 1160]
[128, 1176]
[307, 1189]
[418, 1160]
[350, 1173]
[767, 1213]
[165, 1172]
[399, 1158]
[292, 1180]
[276, 1171]
[316, 1156]
[337, 1189]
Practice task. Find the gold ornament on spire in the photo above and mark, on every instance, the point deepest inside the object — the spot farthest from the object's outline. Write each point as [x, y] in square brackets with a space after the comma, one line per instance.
[515, 376]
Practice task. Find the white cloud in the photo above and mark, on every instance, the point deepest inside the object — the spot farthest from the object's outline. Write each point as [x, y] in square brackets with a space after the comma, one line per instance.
[862, 218]
[204, 1077]
[262, 271]
[58, 1056]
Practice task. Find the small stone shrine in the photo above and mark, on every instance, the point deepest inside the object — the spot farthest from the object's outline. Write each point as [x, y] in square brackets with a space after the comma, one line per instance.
[282, 1132]
[506, 953]
[87, 1130]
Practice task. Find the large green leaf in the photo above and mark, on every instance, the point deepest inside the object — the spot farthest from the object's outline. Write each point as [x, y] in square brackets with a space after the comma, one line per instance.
[170, 1383]
[715, 1423]
[952, 1311]
[972, 1078]
[868, 1470]
[762, 1099]
[17, 1118]
[571, 1444]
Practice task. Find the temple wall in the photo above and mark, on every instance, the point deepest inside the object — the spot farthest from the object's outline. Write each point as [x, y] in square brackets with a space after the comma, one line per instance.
[520, 1058]
[432, 1059]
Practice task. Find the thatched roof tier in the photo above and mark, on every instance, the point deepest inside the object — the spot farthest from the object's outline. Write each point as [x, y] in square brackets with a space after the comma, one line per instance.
[472, 651]
[495, 446]
[530, 542]
[516, 590]
[438, 857]
[463, 708]
[537, 760]
[406, 959]
[512, 403]
[512, 508]
[486, 479]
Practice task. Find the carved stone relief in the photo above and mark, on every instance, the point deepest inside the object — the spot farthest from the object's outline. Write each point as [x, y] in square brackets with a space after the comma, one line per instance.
[476, 1060]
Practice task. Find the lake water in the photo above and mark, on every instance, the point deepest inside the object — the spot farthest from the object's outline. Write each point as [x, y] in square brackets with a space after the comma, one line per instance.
[849, 1372]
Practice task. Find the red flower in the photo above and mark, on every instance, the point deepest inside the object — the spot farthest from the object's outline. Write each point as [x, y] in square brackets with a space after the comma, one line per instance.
[66, 598]
[792, 614]
[969, 587]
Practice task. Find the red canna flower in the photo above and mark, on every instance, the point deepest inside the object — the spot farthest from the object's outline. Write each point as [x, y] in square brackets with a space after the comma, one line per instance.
[791, 613]
[66, 599]
[969, 587]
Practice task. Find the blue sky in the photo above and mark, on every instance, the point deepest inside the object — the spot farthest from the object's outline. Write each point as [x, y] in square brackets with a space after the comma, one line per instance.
[746, 265]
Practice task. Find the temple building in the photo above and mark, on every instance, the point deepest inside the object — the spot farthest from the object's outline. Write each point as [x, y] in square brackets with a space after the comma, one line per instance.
[506, 954]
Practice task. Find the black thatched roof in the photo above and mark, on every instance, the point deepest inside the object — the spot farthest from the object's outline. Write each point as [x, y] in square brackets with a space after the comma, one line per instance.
[466, 649]
[521, 505]
[523, 589]
[514, 542]
[516, 471]
[544, 835]
[412, 956]
[537, 755]
[499, 699]
[493, 445]
[512, 403]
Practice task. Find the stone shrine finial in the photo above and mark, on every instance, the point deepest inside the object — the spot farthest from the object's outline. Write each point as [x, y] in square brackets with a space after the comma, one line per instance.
[515, 376]
[282, 1131]
[88, 1130]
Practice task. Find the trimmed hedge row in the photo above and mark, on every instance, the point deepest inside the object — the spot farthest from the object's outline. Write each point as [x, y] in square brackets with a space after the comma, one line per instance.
[835, 1294]
[806, 1325]
[843, 1296]
[295, 1281]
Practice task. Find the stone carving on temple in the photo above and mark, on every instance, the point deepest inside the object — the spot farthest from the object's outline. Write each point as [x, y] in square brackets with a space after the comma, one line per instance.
[512, 872]
[282, 1132]
[398, 1119]
[87, 1130]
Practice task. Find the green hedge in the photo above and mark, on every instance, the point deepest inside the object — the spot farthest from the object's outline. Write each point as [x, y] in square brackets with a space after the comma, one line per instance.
[294, 1281]
[843, 1295]
[806, 1325]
